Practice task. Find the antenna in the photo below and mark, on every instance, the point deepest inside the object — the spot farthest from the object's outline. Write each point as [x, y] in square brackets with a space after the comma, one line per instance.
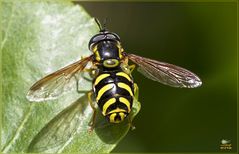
[98, 23]
[104, 23]
[102, 29]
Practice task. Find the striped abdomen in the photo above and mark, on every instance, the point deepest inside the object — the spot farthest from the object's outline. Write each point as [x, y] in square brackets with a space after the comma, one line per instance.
[114, 93]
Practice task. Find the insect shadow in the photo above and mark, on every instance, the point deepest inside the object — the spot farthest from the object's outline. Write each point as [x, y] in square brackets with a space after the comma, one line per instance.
[71, 123]
[112, 133]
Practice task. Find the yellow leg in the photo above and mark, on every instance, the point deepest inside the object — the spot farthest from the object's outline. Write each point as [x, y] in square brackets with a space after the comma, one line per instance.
[136, 95]
[92, 71]
[87, 70]
[131, 68]
[136, 91]
[77, 86]
[92, 121]
[131, 124]
[128, 69]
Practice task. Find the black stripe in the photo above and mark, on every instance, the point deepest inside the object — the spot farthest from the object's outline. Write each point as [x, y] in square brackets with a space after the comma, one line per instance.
[109, 93]
[112, 79]
[117, 104]
[102, 83]
[106, 96]
[102, 101]
[130, 99]
[114, 93]
[123, 91]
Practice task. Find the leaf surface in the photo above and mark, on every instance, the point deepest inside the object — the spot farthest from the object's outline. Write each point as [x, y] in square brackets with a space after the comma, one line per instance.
[39, 38]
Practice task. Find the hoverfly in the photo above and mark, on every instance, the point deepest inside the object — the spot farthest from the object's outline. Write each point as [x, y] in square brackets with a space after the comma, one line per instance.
[113, 88]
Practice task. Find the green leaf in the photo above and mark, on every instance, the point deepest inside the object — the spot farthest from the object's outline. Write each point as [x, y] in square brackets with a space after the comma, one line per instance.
[38, 39]
[71, 126]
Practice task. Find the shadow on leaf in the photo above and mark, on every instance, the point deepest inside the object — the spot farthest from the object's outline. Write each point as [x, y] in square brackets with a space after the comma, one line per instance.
[72, 122]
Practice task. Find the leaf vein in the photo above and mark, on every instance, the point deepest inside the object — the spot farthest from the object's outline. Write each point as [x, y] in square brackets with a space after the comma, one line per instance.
[19, 129]
[8, 27]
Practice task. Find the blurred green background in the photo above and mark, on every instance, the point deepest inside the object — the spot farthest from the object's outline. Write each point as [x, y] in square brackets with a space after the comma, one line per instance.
[198, 36]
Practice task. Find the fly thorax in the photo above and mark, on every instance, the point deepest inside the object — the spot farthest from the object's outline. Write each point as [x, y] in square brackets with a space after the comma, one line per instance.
[108, 53]
[116, 117]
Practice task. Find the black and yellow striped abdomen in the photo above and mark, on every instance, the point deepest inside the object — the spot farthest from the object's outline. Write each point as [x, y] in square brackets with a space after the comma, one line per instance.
[114, 93]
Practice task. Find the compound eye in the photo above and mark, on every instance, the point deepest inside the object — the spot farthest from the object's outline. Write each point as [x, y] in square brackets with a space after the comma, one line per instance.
[96, 39]
[117, 36]
[113, 36]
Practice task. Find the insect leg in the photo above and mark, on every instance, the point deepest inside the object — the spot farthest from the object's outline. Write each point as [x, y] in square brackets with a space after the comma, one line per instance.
[93, 72]
[131, 124]
[131, 68]
[136, 91]
[87, 79]
[77, 86]
[136, 95]
[93, 118]
[88, 70]
[128, 69]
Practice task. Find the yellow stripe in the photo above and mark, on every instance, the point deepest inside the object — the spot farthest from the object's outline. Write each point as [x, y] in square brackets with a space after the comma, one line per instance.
[103, 90]
[112, 117]
[97, 55]
[122, 116]
[107, 104]
[117, 110]
[123, 75]
[126, 87]
[126, 102]
[95, 48]
[120, 55]
[120, 50]
[101, 77]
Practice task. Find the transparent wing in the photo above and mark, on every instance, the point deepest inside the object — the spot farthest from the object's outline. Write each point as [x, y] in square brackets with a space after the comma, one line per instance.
[62, 129]
[165, 73]
[57, 83]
